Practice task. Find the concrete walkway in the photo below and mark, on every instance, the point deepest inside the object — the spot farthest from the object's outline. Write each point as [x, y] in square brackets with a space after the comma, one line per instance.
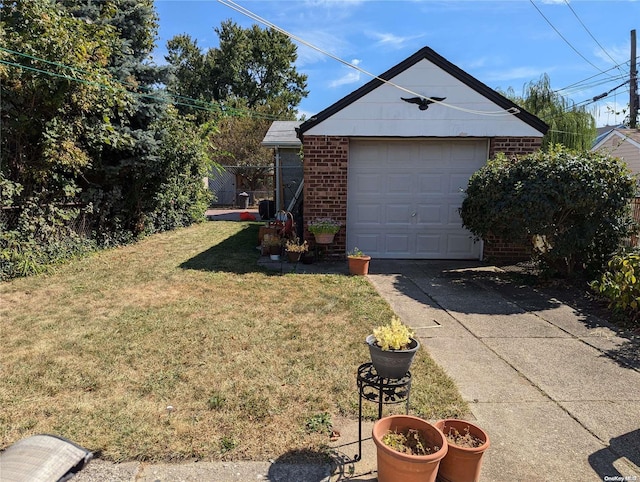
[557, 391]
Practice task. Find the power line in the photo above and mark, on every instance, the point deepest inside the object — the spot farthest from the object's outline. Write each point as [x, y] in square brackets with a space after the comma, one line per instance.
[175, 98]
[563, 38]
[257, 18]
[589, 32]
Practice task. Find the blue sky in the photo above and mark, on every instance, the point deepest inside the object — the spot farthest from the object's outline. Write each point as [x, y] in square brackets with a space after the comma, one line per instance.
[501, 43]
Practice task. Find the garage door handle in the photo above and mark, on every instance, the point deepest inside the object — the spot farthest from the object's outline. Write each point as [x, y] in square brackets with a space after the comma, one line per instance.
[413, 214]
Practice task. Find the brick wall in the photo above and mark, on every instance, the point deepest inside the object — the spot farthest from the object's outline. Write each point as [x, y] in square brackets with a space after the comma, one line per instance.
[514, 146]
[325, 184]
[496, 250]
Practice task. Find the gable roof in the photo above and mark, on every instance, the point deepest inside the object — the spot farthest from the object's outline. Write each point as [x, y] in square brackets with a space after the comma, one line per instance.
[626, 135]
[426, 54]
[282, 134]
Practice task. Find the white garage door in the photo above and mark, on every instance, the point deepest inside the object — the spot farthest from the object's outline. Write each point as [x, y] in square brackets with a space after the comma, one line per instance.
[403, 197]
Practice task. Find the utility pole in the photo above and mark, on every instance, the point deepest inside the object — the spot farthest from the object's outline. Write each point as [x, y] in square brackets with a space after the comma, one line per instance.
[633, 84]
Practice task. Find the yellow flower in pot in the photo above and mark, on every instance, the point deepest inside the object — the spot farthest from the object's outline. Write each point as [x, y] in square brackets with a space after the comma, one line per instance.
[295, 249]
[392, 348]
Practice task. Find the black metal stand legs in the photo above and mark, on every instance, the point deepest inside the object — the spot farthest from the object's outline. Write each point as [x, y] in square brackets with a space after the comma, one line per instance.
[383, 391]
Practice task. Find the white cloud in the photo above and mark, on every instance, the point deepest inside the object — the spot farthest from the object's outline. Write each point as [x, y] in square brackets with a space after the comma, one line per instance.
[619, 53]
[392, 40]
[350, 77]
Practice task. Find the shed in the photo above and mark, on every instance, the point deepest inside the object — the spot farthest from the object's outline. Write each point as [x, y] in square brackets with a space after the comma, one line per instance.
[392, 166]
[282, 137]
[622, 143]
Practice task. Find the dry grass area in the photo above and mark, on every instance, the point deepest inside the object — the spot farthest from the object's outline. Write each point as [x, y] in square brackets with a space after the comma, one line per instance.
[98, 351]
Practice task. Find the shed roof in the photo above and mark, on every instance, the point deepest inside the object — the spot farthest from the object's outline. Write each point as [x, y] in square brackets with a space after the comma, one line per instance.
[431, 56]
[282, 134]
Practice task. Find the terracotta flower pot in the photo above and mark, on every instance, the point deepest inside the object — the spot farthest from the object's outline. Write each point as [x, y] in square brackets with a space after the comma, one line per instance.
[324, 238]
[394, 466]
[462, 464]
[293, 256]
[359, 265]
[392, 363]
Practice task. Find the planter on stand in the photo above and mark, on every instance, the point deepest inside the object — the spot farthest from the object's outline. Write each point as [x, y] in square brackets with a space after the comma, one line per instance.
[392, 363]
[324, 238]
[462, 463]
[395, 466]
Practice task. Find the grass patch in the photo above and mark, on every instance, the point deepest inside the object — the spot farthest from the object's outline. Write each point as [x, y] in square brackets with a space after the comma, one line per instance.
[179, 347]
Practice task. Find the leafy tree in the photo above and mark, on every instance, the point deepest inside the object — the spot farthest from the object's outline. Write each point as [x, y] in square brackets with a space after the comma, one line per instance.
[237, 143]
[122, 171]
[259, 66]
[569, 125]
[252, 66]
[192, 77]
[573, 205]
[54, 113]
[83, 125]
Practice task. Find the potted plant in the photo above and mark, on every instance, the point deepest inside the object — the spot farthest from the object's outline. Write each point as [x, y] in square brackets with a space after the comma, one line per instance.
[467, 444]
[273, 245]
[295, 250]
[408, 449]
[358, 262]
[392, 348]
[324, 229]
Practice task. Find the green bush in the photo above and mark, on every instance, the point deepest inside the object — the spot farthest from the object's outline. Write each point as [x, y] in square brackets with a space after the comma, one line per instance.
[575, 205]
[621, 284]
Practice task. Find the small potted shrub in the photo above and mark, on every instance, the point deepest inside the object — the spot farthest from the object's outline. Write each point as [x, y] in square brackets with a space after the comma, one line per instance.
[392, 348]
[358, 262]
[295, 249]
[408, 449]
[273, 245]
[467, 444]
[324, 229]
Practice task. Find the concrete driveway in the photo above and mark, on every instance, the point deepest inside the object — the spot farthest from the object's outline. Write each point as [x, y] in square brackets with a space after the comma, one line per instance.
[558, 391]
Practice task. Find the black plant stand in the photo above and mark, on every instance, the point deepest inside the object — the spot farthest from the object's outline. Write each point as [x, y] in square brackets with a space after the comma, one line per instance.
[383, 391]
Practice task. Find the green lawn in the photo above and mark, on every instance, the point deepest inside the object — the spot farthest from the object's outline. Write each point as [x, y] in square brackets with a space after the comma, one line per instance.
[179, 347]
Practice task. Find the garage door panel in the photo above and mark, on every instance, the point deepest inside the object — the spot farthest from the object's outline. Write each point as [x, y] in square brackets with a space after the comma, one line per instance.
[369, 243]
[397, 244]
[430, 184]
[371, 183]
[453, 215]
[398, 214]
[399, 183]
[404, 196]
[430, 214]
[369, 214]
[459, 245]
[428, 246]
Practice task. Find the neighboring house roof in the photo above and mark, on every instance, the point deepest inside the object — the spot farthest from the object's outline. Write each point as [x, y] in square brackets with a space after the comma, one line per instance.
[282, 134]
[427, 54]
[625, 135]
[601, 132]
[622, 143]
